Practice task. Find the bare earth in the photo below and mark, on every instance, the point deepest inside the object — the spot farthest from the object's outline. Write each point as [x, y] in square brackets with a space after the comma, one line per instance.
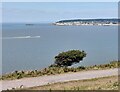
[44, 80]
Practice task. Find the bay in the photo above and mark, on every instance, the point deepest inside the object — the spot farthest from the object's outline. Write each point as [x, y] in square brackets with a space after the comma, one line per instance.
[30, 47]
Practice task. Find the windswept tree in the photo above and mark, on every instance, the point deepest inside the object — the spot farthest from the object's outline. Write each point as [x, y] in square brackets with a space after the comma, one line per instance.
[69, 58]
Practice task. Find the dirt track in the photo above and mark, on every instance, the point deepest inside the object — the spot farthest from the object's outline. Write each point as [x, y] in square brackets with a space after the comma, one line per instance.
[43, 80]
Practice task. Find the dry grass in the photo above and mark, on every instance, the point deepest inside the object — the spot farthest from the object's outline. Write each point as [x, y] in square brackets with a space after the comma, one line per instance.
[57, 70]
[105, 83]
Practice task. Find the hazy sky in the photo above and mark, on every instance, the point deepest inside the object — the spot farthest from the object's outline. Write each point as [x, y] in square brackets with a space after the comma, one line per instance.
[51, 12]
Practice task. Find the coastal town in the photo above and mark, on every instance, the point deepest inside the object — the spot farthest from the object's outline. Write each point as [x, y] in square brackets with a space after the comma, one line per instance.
[79, 22]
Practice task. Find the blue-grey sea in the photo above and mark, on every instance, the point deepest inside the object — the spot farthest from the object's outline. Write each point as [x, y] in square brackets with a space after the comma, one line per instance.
[30, 47]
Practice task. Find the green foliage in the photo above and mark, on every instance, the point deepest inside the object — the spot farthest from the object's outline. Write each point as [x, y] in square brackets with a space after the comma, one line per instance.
[53, 69]
[116, 84]
[70, 57]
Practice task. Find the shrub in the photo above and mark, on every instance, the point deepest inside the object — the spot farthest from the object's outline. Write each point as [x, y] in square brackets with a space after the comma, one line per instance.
[70, 57]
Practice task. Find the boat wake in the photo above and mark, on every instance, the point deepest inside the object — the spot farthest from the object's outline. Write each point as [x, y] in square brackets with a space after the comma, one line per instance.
[21, 37]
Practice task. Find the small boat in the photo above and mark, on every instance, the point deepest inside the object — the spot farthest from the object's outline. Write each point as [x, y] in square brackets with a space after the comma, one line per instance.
[29, 24]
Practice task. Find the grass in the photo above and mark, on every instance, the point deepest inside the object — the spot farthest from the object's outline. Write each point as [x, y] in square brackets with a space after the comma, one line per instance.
[104, 83]
[51, 70]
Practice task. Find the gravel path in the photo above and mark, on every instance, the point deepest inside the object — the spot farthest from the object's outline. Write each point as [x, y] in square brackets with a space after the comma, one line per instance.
[43, 80]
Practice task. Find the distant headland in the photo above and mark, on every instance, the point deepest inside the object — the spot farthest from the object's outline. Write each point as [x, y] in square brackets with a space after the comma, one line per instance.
[79, 22]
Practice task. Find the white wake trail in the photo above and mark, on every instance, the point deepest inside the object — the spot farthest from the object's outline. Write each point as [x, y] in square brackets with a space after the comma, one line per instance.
[21, 37]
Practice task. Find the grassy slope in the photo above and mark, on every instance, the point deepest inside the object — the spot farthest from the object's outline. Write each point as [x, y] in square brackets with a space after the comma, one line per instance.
[56, 70]
[105, 83]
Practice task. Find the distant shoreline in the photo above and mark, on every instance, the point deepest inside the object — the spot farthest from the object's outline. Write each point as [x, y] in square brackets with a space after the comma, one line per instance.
[60, 24]
[85, 22]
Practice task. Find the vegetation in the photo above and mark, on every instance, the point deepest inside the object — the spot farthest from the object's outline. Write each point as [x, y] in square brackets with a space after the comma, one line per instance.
[104, 83]
[52, 70]
[70, 57]
[62, 60]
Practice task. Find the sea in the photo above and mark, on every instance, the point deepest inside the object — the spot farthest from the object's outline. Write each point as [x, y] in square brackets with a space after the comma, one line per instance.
[33, 47]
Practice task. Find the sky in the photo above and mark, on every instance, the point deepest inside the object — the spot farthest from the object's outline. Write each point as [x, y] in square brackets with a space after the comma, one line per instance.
[60, 0]
[42, 12]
